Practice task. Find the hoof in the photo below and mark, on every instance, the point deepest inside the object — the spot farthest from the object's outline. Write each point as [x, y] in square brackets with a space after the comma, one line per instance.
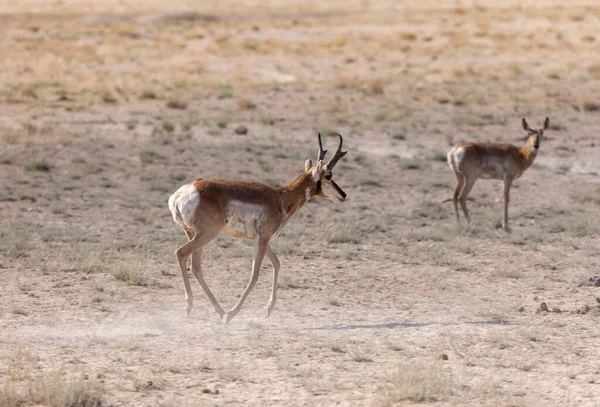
[227, 317]
[188, 310]
[267, 311]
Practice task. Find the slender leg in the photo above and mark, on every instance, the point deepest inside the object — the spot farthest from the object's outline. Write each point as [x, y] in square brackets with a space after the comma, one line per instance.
[189, 298]
[197, 242]
[464, 194]
[275, 262]
[259, 254]
[460, 182]
[507, 184]
[197, 270]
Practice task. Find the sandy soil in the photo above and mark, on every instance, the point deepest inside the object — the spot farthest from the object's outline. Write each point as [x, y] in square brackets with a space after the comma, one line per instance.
[109, 106]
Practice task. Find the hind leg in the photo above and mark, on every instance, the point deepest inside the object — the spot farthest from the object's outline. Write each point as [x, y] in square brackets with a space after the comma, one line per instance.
[276, 265]
[460, 182]
[195, 243]
[197, 270]
[469, 182]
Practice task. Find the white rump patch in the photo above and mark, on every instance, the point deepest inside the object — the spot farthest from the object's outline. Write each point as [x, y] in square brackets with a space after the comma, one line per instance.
[185, 201]
[242, 218]
[459, 155]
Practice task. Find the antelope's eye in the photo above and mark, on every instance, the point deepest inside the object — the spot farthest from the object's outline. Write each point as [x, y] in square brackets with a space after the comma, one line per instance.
[328, 177]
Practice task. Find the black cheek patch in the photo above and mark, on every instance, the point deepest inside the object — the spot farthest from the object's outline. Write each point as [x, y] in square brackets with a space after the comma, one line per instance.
[318, 185]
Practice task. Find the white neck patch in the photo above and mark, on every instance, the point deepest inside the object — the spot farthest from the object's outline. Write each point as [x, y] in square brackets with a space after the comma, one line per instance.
[308, 194]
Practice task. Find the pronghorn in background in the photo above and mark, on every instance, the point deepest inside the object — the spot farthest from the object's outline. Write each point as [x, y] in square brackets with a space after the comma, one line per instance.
[506, 162]
[206, 208]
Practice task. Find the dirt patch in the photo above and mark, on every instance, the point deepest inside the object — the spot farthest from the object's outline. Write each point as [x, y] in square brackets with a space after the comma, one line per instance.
[384, 299]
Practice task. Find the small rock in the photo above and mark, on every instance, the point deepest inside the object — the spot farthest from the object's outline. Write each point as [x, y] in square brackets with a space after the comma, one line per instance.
[443, 356]
[241, 129]
[583, 310]
[542, 308]
[521, 309]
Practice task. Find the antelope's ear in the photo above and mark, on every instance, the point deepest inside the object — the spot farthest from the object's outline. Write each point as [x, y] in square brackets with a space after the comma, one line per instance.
[525, 125]
[546, 123]
[307, 165]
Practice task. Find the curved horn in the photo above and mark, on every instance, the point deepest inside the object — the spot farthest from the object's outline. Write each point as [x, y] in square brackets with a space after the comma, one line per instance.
[338, 153]
[322, 152]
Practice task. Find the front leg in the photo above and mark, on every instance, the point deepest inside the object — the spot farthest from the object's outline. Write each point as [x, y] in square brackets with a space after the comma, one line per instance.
[507, 184]
[275, 262]
[259, 254]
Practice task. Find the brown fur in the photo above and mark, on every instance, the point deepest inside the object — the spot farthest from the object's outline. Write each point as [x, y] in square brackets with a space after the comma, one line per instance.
[275, 206]
[492, 161]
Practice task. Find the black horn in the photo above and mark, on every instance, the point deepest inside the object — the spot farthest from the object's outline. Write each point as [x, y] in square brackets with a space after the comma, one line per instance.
[338, 153]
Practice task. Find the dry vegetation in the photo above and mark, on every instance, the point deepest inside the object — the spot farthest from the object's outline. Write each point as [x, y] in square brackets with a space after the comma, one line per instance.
[108, 107]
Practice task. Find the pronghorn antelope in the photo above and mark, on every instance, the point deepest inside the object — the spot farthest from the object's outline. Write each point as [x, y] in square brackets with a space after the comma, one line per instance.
[206, 208]
[507, 162]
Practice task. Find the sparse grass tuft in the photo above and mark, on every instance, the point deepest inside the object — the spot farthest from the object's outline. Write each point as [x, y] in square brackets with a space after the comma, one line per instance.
[412, 164]
[360, 357]
[109, 98]
[148, 94]
[509, 272]
[438, 156]
[225, 92]
[425, 234]
[581, 227]
[176, 104]
[342, 232]
[381, 116]
[375, 87]
[52, 390]
[246, 104]
[337, 348]
[418, 384]
[334, 302]
[38, 165]
[148, 156]
[431, 210]
[14, 240]
[360, 159]
[132, 273]
[594, 70]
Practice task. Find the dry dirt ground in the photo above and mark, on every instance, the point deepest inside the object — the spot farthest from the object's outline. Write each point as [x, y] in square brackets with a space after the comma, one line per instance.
[107, 107]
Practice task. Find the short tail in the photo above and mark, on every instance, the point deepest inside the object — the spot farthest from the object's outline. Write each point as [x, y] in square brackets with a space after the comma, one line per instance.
[173, 207]
[452, 161]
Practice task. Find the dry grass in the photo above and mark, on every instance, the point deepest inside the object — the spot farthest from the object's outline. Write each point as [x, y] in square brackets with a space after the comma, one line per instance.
[419, 384]
[342, 232]
[121, 113]
[132, 273]
[52, 390]
[14, 239]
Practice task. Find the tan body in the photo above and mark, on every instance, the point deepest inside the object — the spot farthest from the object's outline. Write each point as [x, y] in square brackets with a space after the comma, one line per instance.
[206, 208]
[505, 162]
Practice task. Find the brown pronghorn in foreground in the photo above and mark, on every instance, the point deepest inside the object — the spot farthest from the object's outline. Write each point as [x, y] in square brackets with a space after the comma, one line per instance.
[470, 161]
[206, 208]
